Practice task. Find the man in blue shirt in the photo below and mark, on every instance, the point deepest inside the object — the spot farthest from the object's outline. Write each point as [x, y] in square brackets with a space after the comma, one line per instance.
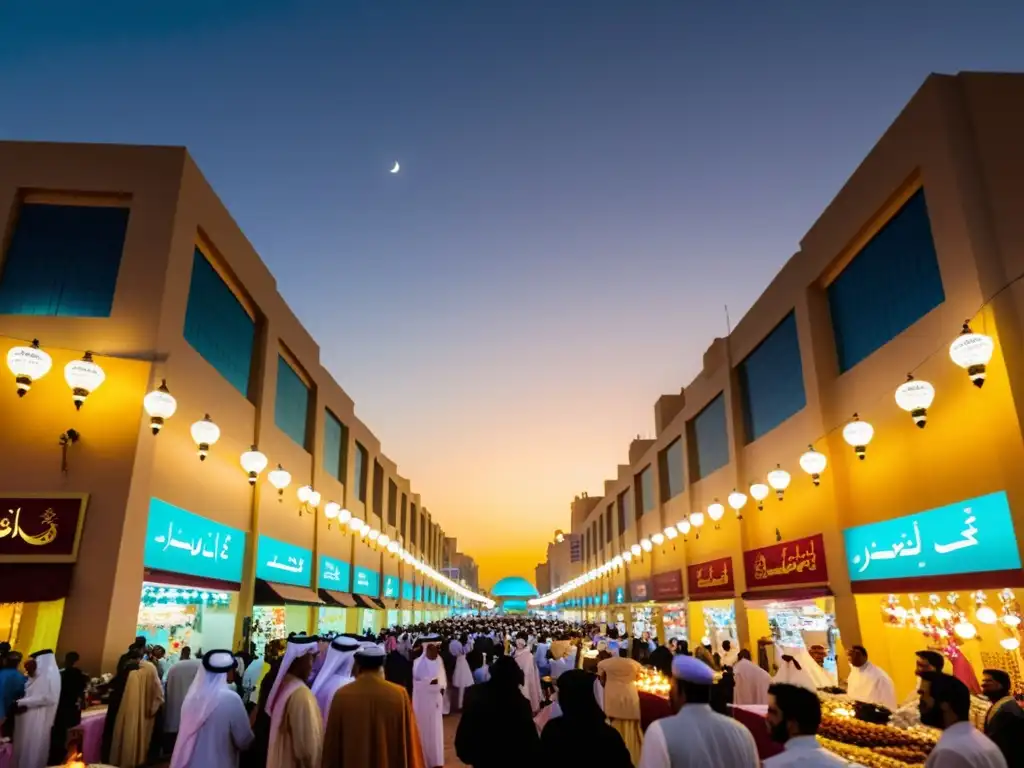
[12, 688]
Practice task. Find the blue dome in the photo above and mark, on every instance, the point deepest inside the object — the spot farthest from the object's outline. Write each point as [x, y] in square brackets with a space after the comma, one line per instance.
[514, 586]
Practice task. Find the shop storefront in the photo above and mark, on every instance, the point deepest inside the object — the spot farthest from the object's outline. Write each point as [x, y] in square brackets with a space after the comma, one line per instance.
[335, 583]
[945, 579]
[193, 569]
[283, 597]
[667, 592]
[641, 609]
[39, 542]
[789, 604]
[366, 591]
[711, 609]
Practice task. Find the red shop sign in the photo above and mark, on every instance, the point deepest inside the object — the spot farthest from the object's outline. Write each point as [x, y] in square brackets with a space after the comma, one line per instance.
[41, 529]
[667, 586]
[711, 578]
[801, 561]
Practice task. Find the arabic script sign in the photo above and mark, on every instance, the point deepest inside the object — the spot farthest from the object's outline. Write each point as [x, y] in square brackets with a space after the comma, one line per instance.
[284, 563]
[620, 595]
[366, 582]
[966, 537]
[334, 574]
[668, 585]
[801, 561]
[183, 542]
[407, 590]
[712, 577]
[391, 587]
[41, 529]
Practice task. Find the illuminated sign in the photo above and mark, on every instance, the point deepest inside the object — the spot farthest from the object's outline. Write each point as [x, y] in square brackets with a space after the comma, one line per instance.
[334, 574]
[179, 541]
[391, 587]
[620, 595]
[966, 537]
[801, 561]
[407, 590]
[366, 582]
[283, 562]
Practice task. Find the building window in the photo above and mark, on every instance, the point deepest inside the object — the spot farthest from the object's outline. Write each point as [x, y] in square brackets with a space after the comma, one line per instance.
[670, 470]
[335, 441]
[772, 381]
[625, 508]
[291, 406]
[412, 528]
[645, 492]
[217, 326]
[600, 529]
[362, 462]
[710, 438]
[608, 529]
[405, 515]
[378, 490]
[392, 503]
[890, 284]
[63, 260]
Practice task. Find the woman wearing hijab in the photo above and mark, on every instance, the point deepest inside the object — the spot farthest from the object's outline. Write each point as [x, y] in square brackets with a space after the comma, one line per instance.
[497, 727]
[580, 735]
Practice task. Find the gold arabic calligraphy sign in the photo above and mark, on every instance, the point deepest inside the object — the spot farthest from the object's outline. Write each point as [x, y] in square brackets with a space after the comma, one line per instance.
[713, 576]
[711, 580]
[792, 562]
[43, 528]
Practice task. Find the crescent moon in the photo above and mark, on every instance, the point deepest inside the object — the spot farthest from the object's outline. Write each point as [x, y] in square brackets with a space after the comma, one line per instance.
[396, 168]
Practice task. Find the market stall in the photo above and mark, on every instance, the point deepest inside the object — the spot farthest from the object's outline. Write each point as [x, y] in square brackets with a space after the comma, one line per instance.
[945, 579]
[711, 609]
[789, 604]
[670, 614]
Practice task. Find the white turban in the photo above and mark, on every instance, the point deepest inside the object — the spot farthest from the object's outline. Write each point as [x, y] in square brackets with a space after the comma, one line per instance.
[200, 702]
[298, 646]
[339, 661]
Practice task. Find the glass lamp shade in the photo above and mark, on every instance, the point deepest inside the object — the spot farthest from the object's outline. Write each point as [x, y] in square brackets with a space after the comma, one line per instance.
[204, 434]
[658, 539]
[344, 516]
[813, 463]
[617, 561]
[331, 510]
[84, 377]
[280, 478]
[696, 519]
[384, 540]
[985, 615]
[972, 352]
[636, 550]
[1010, 643]
[646, 545]
[364, 529]
[559, 537]
[760, 492]
[305, 493]
[253, 462]
[314, 498]
[160, 405]
[1011, 620]
[858, 434]
[779, 479]
[737, 500]
[28, 364]
[915, 397]
[683, 526]
[355, 523]
[965, 630]
[671, 532]
[716, 510]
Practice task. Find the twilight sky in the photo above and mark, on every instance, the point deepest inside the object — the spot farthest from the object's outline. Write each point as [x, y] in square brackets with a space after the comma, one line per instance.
[585, 184]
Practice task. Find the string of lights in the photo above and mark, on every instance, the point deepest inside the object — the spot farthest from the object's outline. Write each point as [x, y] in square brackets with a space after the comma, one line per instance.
[969, 350]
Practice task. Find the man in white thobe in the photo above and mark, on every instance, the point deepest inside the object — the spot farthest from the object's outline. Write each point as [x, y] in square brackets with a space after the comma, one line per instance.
[178, 681]
[36, 711]
[428, 692]
[531, 677]
[336, 671]
[214, 726]
[794, 715]
[946, 704]
[869, 683]
[696, 736]
[751, 681]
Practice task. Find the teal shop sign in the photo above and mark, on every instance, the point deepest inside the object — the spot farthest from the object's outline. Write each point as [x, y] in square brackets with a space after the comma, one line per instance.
[966, 537]
[334, 574]
[407, 590]
[391, 587]
[284, 563]
[366, 582]
[419, 593]
[183, 542]
[604, 598]
[620, 594]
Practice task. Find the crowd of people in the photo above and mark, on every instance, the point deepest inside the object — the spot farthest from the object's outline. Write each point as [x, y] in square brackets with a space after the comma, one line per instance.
[531, 692]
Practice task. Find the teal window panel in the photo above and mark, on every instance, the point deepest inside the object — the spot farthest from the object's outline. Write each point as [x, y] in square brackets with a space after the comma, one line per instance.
[335, 439]
[711, 438]
[291, 406]
[772, 381]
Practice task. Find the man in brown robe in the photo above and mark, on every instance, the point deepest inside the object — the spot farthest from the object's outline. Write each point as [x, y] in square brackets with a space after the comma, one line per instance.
[371, 723]
[296, 727]
[133, 726]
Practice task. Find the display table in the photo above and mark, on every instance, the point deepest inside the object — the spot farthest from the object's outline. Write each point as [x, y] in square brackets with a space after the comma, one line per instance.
[753, 716]
[89, 733]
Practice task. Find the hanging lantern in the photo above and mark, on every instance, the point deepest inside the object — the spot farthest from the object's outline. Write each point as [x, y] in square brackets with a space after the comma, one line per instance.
[696, 519]
[779, 479]
[915, 397]
[1010, 643]
[627, 556]
[813, 463]
[355, 524]
[331, 511]
[715, 511]
[618, 560]
[84, 377]
[965, 630]
[658, 539]
[392, 547]
[253, 462]
[671, 532]
[280, 478]
[760, 492]
[636, 550]
[972, 351]
[344, 516]
[684, 526]
[646, 545]
[204, 434]
[28, 364]
[985, 615]
[858, 434]
[160, 405]
[737, 501]
[383, 540]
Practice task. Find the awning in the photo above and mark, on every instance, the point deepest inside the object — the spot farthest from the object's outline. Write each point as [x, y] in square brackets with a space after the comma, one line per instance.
[338, 599]
[365, 601]
[272, 593]
[183, 580]
[761, 598]
[35, 582]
